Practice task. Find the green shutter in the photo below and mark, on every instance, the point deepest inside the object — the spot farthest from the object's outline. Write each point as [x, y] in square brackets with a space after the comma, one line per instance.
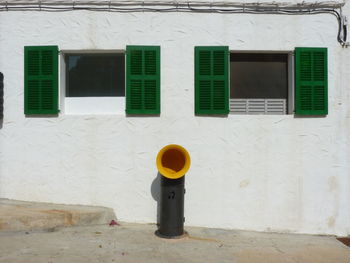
[143, 80]
[311, 81]
[41, 80]
[211, 80]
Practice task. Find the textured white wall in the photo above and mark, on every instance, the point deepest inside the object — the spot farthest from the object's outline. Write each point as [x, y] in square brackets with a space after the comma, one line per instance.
[266, 173]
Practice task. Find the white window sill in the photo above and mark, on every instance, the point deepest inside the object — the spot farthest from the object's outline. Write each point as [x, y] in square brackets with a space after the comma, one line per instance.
[94, 105]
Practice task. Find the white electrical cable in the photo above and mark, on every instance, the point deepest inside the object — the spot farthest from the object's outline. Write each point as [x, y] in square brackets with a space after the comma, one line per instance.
[174, 4]
[228, 7]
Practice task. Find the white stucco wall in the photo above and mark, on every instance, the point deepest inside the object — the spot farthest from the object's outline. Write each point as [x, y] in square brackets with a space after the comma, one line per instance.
[265, 173]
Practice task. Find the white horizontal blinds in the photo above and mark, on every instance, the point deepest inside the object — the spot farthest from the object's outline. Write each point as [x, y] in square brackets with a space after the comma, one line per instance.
[276, 106]
[258, 106]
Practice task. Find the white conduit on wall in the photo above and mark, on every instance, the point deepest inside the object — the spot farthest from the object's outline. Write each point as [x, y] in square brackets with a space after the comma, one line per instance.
[302, 8]
[166, 5]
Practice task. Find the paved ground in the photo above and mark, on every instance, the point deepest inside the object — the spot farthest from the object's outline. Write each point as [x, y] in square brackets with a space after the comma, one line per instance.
[20, 215]
[137, 243]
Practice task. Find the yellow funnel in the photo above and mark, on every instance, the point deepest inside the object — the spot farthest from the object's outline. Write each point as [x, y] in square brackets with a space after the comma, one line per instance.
[173, 161]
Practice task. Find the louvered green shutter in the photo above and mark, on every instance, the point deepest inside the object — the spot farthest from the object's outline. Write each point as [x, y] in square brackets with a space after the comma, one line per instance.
[311, 81]
[41, 80]
[143, 80]
[211, 80]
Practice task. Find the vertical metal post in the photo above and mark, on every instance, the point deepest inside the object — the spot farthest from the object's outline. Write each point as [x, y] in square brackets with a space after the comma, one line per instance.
[171, 207]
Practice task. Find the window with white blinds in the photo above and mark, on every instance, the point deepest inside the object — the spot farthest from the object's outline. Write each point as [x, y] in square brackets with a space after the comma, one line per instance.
[259, 83]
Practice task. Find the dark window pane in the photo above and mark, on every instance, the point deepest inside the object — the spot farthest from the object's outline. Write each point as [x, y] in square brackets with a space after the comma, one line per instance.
[95, 75]
[258, 76]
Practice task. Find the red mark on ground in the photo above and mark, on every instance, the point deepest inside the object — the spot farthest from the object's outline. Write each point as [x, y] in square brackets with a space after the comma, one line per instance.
[114, 223]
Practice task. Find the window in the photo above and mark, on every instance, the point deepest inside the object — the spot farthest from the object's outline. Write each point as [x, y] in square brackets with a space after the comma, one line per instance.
[94, 83]
[95, 75]
[258, 83]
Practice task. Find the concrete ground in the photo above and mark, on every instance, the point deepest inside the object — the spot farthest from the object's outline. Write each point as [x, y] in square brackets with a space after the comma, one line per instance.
[20, 215]
[137, 243]
[44, 233]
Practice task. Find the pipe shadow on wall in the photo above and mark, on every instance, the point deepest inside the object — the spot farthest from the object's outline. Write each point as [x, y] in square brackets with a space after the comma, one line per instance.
[155, 191]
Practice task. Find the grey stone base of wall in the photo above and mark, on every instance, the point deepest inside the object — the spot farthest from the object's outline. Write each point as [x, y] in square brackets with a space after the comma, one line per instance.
[21, 216]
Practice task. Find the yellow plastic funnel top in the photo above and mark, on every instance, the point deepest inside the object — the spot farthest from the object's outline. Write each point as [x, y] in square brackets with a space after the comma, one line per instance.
[173, 161]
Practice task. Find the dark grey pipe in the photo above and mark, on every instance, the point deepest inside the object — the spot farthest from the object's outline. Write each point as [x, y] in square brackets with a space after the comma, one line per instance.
[172, 199]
